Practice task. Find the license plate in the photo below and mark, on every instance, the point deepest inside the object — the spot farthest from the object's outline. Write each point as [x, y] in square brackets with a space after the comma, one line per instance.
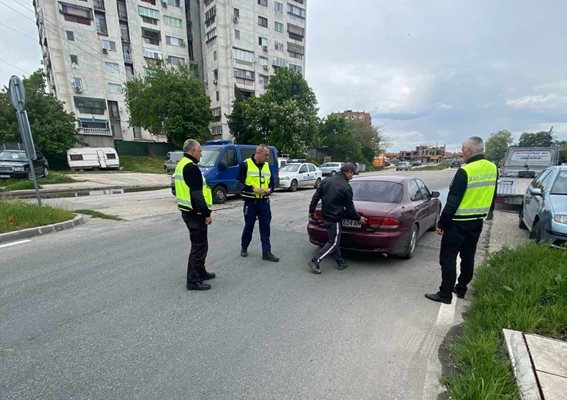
[351, 223]
[5, 176]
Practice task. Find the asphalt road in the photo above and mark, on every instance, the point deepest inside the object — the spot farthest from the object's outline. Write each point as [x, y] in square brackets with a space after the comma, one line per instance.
[101, 311]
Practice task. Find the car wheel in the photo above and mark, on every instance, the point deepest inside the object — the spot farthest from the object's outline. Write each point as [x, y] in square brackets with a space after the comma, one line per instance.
[317, 183]
[219, 194]
[521, 224]
[411, 243]
[293, 186]
[535, 233]
[333, 173]
[434, 226]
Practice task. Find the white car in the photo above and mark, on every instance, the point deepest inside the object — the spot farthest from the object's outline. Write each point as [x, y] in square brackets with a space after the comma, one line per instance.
[296, 175]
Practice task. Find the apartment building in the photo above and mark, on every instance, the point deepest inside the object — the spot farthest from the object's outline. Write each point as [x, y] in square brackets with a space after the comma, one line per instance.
[92, 47]
[424, 153]
[245, 41]
[356, 116]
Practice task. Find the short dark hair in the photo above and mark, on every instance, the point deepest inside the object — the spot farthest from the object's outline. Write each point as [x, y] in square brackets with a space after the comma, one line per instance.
[348, 167]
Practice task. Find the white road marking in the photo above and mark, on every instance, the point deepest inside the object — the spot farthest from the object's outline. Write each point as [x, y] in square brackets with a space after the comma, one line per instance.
[14, 243]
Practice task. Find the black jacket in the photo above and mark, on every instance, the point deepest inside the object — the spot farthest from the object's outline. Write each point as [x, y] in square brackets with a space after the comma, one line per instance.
[194, 179]
[336, 196]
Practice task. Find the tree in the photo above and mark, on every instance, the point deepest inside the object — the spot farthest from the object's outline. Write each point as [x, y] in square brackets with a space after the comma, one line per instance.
[562, 146]
[497, 144]
[172, 101]
[370, 139]
[538, 139]
[337, 134]
[53, 128]
[285, 116]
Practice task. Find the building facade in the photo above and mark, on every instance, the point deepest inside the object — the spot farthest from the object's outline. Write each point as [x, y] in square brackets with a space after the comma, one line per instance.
[356, 116]
[424, 154]
[92, 47]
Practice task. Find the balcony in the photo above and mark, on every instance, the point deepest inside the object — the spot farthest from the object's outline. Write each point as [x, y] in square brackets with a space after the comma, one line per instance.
[95, 131]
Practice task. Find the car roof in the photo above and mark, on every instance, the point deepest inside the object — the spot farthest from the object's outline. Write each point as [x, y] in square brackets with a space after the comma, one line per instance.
[384, 178]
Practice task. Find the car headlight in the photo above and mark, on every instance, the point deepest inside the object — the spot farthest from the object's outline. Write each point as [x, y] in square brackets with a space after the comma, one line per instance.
[18, 169]
[561, 218]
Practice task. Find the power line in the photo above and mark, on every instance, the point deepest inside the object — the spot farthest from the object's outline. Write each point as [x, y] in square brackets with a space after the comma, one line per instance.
[13, 66]
[20, 32]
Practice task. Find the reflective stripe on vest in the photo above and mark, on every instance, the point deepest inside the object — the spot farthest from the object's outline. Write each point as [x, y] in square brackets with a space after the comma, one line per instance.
[182, 191]
[481, 185]
[256, 179]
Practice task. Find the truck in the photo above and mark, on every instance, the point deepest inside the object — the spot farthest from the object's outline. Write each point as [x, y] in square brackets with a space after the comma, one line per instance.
[521, 165]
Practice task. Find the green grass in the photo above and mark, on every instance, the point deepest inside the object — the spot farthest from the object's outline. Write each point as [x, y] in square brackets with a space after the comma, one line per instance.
[432, 167]
[16, 215]
[523, 289]
[97, 214]
[152, 165]
[24, 183]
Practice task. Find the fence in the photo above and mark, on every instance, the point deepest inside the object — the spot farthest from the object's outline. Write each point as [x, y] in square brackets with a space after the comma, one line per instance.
[131, 148]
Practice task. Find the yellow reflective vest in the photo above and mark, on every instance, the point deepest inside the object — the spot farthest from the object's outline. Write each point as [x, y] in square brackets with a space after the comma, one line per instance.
[257, 179]
[481, 185]
[183, 192]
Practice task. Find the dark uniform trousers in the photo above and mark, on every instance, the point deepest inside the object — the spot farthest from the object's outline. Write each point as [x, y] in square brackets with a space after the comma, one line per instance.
[460, 237]
[334, 230]
[199, 246]
[257, 209]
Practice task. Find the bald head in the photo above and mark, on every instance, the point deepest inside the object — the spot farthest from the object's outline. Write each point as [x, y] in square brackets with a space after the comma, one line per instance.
[472, 146]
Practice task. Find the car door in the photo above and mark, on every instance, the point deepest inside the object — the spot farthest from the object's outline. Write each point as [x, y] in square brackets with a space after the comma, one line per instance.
[419, 205]
[303, 175]
[228, 176]
[432, 208]
[531, 202]
[313, 175]
[38, 164]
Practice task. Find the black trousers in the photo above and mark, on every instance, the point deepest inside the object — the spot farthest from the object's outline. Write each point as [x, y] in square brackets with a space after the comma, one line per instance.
[460, 238]
[257, 209]
[199, 246]
[334, 230]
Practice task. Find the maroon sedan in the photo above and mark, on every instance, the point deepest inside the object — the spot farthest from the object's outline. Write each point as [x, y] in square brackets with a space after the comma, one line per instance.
[399, 210]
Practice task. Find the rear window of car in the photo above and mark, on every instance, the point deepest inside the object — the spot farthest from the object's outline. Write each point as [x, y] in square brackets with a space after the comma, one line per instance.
[377, 191]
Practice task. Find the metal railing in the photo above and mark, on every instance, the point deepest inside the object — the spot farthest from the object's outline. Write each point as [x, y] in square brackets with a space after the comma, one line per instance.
[95, 131]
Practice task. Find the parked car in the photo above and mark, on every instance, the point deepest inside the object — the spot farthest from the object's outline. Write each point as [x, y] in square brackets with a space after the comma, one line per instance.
[14, 164]
[399, 210]
[416, 164]
[331, 168]
[456, 163]
[219, 164]
[93, 157]
[403, 166]
[295, 175]
[544, 209]
[171, 160]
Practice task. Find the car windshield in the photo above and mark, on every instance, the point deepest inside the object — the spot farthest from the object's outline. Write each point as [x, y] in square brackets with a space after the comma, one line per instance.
[377, 191]
[13, 156]
[209, 157]
[290, 168]
[560, 185]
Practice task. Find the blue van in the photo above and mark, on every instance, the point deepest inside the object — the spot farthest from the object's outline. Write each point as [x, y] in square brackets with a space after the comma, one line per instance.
[219, 165]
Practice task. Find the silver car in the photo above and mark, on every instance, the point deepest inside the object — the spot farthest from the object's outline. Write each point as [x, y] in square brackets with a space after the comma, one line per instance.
[544, 210]
[331, 168]
[171, 160]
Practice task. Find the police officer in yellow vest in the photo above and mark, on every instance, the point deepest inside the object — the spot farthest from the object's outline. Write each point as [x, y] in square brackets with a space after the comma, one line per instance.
[194, 199]
[471, 199]
[256, 184]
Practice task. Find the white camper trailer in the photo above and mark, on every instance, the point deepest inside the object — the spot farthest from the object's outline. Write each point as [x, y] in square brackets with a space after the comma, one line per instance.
[93, 157]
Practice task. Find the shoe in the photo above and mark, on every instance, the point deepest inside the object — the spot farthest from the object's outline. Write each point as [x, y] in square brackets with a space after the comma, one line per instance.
[460, 295]
[436, 297]
[270, 257]
[209, 275]
[314, 266]
[198, 286]
[342, 266]
[243, 252]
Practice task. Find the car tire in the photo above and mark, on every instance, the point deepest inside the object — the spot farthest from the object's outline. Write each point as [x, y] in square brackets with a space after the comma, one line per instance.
[293, 186]
[521, 223]
[333, 173]
[535, 233]
[434, 226]
[219, 194]
[317, 183]
[411, 243]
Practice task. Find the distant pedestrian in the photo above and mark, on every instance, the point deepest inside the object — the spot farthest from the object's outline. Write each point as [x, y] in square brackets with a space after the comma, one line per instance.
[256, 184]
[194, 199]
[336, 196]
[471, 199]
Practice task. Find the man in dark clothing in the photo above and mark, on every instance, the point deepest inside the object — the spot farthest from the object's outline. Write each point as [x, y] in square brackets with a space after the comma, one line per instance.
[194, 199]
[336, 196]
[256, 184]
[471, 199]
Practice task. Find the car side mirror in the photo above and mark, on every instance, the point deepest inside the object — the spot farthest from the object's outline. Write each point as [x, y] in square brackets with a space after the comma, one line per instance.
[535, 191]
[222, 166]
[435, 194]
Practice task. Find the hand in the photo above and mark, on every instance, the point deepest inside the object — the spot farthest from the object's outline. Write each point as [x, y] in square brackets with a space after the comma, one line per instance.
[313, 217]
[208, 220]
[259, 190]
[363, 220]
[440, 231]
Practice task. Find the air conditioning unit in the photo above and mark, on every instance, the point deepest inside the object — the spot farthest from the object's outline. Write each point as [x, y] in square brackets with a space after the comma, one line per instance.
[104, 51]
[265, 48]
[235, 19]
[215, 82]
[266, 67]
[78, 89]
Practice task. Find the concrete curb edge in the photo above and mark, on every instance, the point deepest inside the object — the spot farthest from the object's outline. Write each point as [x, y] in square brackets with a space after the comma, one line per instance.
[519, 355]
[41, 230]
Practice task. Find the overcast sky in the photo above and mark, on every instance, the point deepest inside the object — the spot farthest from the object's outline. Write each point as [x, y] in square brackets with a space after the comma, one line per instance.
[431, 72]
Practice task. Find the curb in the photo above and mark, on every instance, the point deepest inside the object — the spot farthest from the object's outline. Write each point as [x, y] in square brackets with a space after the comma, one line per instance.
[520, 358]
[88, 191]
[41, 230]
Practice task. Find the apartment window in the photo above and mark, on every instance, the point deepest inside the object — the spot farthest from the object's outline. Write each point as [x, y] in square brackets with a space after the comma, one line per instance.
[122, 10]
[151, 53]
[78, 14]
[215, 55]
[100, 22]
[148, 20]
[243, 74]
[295, 50]
[112, 68]
[208, 2]
[216, 114]
[216, 74]
[236, 13]
[217, 95]
[278, 26]
[296, 68]
[299, 1]
[210, 16]
[263, 21]
[263, 61]
[295, 32]
[148, 12]
[171, 60]
[70, 35]
[295, 11]
[217, 130]
[243, 55]
[74, 59]
[174, 3]
[78, 84]
[129, 68]
[124, 32]
[262, 41]
[151, 37]
[153, 2]
[263, 79]
[113, 110]
[175, 22]
[114, 88]
[88, 105]
[279, 62]
[278, 46]
[126, 52]
[137, 132]
[278, 7]
[108, 45]
[174, 41]
[236, 34]
[263, 3]
[210, 35]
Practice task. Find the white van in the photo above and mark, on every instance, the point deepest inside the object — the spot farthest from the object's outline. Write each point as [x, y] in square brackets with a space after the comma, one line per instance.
[93, 157]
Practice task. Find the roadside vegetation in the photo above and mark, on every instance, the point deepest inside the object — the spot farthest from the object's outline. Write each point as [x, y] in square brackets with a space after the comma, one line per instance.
[97, 214]
[435, 167]
[16, 215]
[22, 184]
[523, 289]
[146, 164]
